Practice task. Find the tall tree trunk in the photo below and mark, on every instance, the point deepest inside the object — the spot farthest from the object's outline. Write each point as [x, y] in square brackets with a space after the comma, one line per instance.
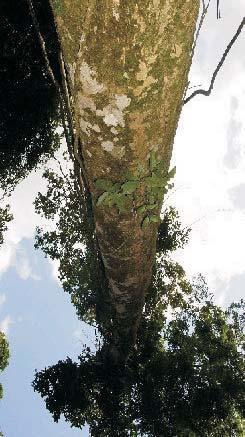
[128, 62]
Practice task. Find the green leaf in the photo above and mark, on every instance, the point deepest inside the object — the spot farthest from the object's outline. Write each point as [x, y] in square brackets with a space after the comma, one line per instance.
[103, 184]
[141, 209]
[156, 190]
[153, 160]
[115, 188]
[151, 206]
[121, 202]
[155, 181]
[152, 198]
[109, 200]
[154, 218]
[172, 172]
[160, 166]
[102, 198]
[140, 171]
[145, 222]
[129, 187]
[130, 176]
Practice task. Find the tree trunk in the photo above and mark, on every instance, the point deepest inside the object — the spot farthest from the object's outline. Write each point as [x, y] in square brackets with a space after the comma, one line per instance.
[128, 62]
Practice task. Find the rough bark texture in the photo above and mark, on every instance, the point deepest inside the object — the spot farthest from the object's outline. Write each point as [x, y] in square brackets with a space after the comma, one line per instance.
[128, 62]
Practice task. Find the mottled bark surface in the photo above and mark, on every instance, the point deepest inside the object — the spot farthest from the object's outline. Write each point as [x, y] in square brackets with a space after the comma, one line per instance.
[128, 62]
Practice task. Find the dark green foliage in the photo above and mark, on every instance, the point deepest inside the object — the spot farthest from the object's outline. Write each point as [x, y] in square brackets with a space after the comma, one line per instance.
[5, 217]
[28, 101]
[171, 236]
[185, 375]
[71, 243]
[193, 376]
[181, 386]
[4, 356]
[153, 181]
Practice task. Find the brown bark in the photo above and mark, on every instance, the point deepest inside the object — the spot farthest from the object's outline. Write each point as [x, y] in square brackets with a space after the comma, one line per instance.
[128, 62]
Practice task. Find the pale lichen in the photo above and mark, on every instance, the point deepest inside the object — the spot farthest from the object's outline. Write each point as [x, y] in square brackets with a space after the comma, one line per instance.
[107, 145]
[90, 85]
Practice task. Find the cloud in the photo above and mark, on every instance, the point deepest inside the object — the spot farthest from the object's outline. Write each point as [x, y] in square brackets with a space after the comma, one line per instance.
[213, 40]
[237, 196]
[7, 254]
[209, 157]
[232, 290]
[24, 269]
[23, 225]
[234, 129]
[16, 256]
[25, 221]
[5, 324]
[2, 299]
[55, 269]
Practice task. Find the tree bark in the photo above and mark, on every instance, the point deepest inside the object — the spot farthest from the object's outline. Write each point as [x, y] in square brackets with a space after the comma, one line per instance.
[128, 62]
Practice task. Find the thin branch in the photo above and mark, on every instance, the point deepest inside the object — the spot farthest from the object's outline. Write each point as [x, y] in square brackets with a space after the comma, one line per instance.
[217, 69]
[49, 68]
[42, 45]
[202, 18]
[203, 15]
[218, 10]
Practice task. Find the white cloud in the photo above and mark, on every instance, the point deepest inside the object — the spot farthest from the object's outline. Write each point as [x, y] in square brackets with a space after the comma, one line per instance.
[23, 225]
[5, 324]
[24, 269]
[2, 299]
[204, 181]
[7, 254]
[13, 255]
[55, 269]
[25, 220]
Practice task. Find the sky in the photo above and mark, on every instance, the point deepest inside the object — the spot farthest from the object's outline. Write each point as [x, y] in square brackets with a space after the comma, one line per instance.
[209, 154]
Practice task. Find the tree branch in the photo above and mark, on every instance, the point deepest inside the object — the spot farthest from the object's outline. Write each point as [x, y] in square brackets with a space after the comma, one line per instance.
[217, 69]
[49, 68]
[203, 15]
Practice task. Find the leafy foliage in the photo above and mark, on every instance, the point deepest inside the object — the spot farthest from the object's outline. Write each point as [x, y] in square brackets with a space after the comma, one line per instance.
[5, 217]
[153, 181]
[4, 356]
[67, 242]
[185, 375]
[28, 101]
[171, 236]
[71, 243]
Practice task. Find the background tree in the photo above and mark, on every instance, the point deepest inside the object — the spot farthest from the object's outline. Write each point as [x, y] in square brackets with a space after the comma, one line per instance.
[184, 377]
[5, 218]
[4, 356]
[70, 243]
[28, 101]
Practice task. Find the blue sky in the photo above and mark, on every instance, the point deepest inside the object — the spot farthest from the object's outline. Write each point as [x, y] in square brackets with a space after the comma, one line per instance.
[209, 193]
[43, 329]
